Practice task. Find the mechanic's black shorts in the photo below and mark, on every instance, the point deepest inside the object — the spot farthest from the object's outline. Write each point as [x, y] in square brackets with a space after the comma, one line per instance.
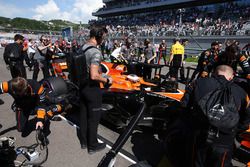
[176, 64]
[177, 61]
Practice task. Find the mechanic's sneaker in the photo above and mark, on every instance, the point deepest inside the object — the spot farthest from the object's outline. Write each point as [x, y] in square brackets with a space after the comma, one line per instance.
[99, 147]
[83, 146]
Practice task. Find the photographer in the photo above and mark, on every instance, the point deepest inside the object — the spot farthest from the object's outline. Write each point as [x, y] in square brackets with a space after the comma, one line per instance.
[40, 59]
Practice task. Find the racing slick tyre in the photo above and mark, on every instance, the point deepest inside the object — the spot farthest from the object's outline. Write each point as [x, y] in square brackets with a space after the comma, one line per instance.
[57, 85]
[56, 89]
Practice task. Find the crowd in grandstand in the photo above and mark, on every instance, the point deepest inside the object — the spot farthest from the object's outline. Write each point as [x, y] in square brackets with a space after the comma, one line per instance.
[225, 19]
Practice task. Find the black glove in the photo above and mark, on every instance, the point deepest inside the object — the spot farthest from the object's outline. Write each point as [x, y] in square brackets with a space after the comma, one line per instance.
[107, 84]
[41, 137]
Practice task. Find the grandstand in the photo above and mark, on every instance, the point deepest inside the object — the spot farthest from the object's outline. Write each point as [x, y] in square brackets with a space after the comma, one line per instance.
[123, 7]
[167, 17]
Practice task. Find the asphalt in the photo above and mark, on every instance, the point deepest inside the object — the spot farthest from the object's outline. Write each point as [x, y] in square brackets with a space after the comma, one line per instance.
[64, 147]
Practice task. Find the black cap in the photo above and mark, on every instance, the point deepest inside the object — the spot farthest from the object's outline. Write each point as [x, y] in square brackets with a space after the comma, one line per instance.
[214, 43]
[18, 37]
[177, 39]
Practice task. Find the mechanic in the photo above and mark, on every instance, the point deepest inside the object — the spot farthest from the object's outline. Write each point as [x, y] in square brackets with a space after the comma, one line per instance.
[90, 93]
[176, 59]
[219, 152]
[206, 61]
[14, 55]
[232, 57]
[30, 97]
[246, 49]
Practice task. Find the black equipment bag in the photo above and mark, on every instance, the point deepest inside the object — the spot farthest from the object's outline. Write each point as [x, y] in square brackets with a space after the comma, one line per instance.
[14, 53]
[77, 67]
[220, 109]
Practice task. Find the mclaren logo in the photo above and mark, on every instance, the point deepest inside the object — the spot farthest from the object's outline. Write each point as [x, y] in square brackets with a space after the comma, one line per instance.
[216, 112]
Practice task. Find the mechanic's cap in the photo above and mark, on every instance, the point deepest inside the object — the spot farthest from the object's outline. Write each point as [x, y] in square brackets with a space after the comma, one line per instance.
[214, 43]
[184, 40]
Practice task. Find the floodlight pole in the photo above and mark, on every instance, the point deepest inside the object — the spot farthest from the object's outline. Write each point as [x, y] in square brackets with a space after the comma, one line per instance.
[181, 11]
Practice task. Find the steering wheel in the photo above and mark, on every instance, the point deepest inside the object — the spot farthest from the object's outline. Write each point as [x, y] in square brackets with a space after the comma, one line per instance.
[123, 59]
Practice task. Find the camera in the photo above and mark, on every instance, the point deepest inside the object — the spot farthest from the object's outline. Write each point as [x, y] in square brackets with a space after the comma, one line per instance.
[7, 142]
[7, 151]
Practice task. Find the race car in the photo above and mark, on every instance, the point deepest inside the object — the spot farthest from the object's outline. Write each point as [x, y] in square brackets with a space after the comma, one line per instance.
[124, 92]
[59, 65]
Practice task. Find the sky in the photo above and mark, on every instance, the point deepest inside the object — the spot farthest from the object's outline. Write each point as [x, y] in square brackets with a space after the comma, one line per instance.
[70, 10]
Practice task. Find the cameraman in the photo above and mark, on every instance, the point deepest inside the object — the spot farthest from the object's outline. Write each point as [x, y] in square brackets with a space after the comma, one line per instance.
[14, 54]
[30, 97]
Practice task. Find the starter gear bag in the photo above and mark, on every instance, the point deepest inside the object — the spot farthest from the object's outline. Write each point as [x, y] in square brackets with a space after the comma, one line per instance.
[78, 67]
[14, 55]
[220, 109]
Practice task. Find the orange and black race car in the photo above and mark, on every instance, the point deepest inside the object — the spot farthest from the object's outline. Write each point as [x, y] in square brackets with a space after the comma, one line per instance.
[59, 65]
[125, 88]
[122, 97]
[242, 151]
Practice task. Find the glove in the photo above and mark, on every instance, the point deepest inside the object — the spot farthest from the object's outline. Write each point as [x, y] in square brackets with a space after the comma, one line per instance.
[109, 83]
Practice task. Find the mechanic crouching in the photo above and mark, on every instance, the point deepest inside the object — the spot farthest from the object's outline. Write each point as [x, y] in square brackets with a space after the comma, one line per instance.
[30, 98]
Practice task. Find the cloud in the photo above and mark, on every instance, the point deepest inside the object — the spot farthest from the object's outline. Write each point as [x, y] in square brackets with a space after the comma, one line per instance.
[47, 11]
[85, 8]
[9, 10]
[81, 10]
